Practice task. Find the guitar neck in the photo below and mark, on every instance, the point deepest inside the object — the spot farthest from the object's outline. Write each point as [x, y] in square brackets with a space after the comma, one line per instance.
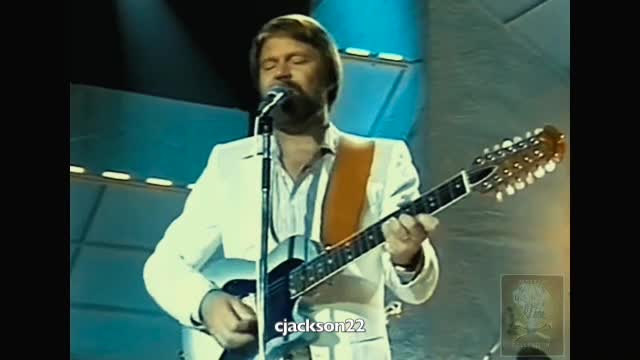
[313, 273]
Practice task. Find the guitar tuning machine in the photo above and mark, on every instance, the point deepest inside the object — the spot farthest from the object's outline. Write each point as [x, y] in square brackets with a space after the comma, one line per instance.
[550, 166]
[510, 190]
[479, 161]
[530, 179]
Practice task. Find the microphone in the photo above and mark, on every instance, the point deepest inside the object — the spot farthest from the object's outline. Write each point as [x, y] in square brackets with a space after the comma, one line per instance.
[274, 97]
[286, 107]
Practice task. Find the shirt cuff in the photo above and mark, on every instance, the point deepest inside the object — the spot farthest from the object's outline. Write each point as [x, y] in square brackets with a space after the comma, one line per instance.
[406, 274]
[197, 318]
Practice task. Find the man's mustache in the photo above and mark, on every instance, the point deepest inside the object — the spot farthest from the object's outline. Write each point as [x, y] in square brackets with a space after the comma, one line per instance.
[290, 85]
[298, 105]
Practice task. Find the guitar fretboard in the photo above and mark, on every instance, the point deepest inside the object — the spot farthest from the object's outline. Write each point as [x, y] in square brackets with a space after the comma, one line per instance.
[314, 272]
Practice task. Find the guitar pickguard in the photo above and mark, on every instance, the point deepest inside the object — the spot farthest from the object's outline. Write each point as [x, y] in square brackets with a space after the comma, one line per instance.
[237, 277]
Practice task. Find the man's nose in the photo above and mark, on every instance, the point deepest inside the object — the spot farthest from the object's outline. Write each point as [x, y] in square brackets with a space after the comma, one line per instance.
[283, 71]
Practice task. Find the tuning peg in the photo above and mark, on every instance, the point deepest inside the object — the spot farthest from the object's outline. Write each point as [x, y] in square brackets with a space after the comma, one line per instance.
[499, 196]
[550, 166]
[537, 131]
[507, 143]
[520, 184]
[528, 134]
[496, 147]
[539, 172]
[510, 190]
[530, 179]
[537, 153]
[517, 139]
[486, 150]
[557, 157]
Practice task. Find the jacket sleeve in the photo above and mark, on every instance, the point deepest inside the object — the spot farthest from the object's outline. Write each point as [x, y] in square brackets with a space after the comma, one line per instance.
[402, 185]
[171, 274]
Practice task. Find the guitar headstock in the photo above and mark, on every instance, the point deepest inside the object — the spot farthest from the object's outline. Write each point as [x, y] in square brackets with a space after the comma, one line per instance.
[517, 162]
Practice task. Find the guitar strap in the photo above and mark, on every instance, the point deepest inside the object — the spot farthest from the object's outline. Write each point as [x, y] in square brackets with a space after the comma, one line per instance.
[345, 198]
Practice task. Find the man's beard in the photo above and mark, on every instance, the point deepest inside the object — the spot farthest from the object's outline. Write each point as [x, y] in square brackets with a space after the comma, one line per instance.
[299, 113]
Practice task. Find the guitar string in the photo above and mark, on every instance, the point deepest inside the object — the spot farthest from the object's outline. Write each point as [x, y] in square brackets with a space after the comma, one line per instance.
[278, 284]
[283, 282]
[374, 231]
[421, 201]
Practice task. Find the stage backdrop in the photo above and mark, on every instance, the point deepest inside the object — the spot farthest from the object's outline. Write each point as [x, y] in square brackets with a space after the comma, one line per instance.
[497, 69]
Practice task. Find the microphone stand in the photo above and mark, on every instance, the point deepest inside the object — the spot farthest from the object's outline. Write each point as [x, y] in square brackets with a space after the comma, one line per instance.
[264, 122]
[266, 127]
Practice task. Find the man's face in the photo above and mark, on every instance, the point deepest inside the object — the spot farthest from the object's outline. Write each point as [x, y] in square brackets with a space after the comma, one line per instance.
[294, 64]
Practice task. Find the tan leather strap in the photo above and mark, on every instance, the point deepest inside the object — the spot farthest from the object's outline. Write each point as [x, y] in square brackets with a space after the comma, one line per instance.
[345, 198]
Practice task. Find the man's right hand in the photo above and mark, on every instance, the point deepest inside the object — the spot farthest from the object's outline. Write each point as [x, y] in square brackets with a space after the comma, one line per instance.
[228, 319]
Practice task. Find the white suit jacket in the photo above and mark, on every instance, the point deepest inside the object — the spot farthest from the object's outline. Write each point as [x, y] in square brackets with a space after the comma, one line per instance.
[223, 212]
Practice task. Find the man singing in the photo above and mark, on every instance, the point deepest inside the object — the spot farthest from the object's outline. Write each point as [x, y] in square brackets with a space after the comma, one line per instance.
[223, 212]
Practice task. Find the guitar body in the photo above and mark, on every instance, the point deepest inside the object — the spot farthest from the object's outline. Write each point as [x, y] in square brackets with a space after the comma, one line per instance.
[237, 277]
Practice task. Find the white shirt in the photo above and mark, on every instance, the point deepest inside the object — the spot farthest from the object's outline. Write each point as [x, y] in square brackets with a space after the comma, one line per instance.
[294, 201]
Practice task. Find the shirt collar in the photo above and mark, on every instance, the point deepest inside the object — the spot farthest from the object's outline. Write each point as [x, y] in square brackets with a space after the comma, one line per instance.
[329, 143]
[331, 139]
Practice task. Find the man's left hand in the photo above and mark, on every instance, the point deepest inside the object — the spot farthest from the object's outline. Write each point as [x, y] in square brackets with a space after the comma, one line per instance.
[404, 236]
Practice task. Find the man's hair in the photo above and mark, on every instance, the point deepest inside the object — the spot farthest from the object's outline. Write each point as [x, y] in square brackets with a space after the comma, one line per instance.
[305, 29]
